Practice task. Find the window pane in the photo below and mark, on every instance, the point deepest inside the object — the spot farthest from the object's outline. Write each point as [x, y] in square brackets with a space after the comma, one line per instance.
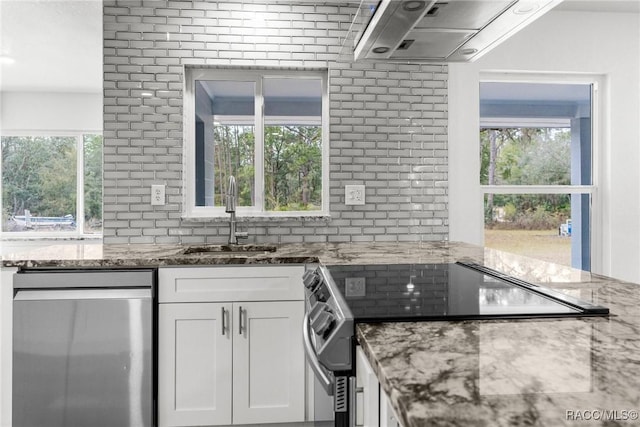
[234, 155]
[92, 184]
[38, 190]
[293, 144]
[551, 227]
[535, 134]
[293, 168]
[525, 156]
[225, 141]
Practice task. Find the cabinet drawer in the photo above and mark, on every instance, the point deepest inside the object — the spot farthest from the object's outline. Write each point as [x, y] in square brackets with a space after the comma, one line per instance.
[200, 284]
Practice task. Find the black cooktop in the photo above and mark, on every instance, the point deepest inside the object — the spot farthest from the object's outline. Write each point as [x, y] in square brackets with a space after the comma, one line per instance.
[396, 292]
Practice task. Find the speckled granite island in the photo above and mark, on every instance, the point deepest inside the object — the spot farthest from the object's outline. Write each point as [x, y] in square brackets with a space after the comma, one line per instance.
[555, 372]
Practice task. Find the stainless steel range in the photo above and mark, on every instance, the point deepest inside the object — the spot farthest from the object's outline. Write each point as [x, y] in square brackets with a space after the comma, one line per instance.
[340, 296]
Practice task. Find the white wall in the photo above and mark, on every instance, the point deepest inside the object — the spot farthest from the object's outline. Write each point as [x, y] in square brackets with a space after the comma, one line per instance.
[606, 44]
[50, 111]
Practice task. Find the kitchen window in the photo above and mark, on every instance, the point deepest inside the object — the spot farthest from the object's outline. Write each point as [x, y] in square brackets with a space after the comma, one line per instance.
[51, 184]
[536, 173]
[268, 129]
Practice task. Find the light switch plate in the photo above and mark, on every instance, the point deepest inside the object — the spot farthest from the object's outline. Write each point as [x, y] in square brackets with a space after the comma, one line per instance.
[157, 195]
[354, 194]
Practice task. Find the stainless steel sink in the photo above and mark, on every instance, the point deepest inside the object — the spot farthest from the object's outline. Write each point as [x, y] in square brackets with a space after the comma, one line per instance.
[247, 249]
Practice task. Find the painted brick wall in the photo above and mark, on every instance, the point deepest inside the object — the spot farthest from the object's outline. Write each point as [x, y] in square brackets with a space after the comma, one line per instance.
[388, 121]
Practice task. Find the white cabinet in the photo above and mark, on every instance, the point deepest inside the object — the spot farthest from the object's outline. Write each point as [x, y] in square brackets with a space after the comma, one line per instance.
[373, 405]
[368, 392]
[236, 361]
[268, 363]
[242, 283]
[194, 365]
[388, 417]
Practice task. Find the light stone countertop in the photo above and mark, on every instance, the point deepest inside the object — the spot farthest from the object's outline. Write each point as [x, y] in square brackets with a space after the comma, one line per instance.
[473, 373]
[97, 255]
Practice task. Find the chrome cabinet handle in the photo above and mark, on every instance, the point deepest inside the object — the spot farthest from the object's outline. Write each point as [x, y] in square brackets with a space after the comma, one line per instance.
[76, 294]
[352, 402]
[357, 391]
[224, 318]
[240, 320]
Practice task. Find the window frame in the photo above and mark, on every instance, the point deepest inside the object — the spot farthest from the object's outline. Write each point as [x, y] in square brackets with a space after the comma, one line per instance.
[192, 74]
[597, 83]
[79, 214]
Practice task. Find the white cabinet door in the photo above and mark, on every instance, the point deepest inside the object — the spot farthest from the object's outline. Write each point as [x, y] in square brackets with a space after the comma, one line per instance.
[246, 283]
[268, 362]
[387, 415]
[194, 364]
[367, 406]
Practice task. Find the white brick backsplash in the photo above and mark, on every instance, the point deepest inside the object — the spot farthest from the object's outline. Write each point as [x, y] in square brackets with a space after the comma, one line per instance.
[388, 122]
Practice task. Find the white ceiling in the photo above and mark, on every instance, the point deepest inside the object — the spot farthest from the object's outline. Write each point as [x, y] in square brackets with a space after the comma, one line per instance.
[617, 6]
[56, 45]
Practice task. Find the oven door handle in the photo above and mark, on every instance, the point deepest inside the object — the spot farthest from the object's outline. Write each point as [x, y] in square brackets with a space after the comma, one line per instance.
[312, 358]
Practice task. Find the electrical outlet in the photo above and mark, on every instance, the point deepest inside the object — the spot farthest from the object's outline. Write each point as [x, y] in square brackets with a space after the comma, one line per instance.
[354, 287]
[157, 194]
[354, 194]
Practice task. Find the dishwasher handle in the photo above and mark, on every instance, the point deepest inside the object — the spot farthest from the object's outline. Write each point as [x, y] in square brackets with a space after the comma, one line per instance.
[82, 294]
[100, 278]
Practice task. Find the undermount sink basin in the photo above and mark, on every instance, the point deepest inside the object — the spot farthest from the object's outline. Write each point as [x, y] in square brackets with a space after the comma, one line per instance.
[247, 249]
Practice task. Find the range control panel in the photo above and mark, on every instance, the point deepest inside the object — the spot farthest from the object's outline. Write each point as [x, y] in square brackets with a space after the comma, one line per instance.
[329, 319]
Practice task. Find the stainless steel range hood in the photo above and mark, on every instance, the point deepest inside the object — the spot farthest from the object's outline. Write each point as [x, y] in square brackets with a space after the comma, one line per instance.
[443, 30]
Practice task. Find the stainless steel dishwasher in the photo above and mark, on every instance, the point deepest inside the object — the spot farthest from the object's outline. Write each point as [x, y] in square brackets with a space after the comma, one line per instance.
[83, 348]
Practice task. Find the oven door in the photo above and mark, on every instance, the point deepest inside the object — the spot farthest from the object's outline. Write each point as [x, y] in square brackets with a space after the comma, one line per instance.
[323, 414]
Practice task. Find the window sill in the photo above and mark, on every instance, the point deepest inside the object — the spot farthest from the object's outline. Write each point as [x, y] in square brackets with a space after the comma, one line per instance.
[15, 237]
[258, 218]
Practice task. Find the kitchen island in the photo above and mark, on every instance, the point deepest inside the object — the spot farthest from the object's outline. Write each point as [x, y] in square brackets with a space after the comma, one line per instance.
[530, 372]
[544, 372]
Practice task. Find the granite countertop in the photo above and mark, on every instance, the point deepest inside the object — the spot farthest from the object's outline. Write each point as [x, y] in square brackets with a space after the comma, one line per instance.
[495, 373]
[84, 255]
[544, 372]
[97, 255]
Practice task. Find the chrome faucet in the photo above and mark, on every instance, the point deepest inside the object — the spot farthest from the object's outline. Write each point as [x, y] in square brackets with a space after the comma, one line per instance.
[230, 208]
